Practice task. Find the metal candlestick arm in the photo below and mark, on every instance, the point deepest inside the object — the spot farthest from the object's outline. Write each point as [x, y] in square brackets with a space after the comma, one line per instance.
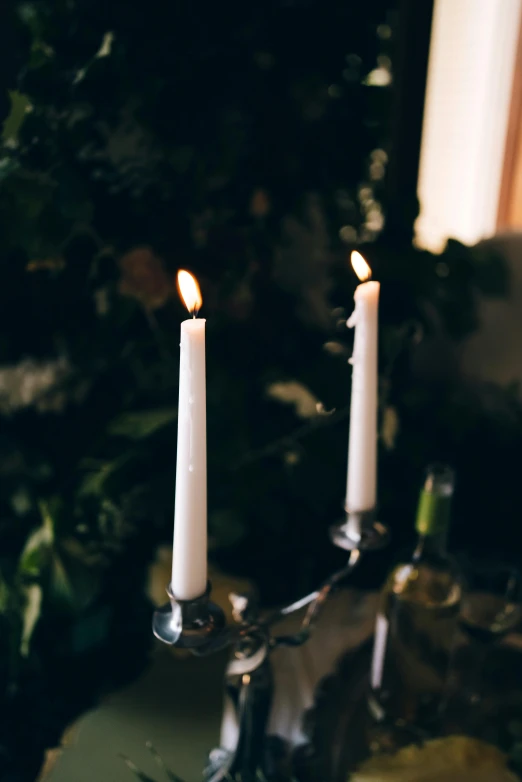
[199, 625]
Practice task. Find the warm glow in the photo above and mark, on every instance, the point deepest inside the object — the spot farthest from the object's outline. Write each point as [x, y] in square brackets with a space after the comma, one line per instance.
[360, 266]
[189, 291]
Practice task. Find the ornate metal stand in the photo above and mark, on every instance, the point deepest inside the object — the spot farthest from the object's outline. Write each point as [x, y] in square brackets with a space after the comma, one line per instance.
[199, 625]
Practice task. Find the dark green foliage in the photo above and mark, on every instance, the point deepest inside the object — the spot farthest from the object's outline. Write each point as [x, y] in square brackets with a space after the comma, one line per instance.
[248, 143]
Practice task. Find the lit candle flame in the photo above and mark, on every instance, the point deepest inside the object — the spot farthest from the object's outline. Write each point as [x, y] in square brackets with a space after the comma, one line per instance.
[189, 291]
[360, 266]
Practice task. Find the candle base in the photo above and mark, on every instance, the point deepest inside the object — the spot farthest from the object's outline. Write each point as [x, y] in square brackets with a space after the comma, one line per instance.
[361, 531]
[188, 624]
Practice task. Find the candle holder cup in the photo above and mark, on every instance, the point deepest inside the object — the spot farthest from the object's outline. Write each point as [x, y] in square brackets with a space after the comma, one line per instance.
[189, 624]
[359, 530]
[199, 625]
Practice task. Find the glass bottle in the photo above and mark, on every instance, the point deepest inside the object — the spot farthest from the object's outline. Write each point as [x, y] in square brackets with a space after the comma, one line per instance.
[417, 618]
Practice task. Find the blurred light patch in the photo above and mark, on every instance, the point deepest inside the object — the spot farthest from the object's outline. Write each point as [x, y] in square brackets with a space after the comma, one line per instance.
[379, 77]
[106, 45]
[294, 393]
[348, 234]
[334, 91]
[376, 170]
[384, 32]
[470, 76]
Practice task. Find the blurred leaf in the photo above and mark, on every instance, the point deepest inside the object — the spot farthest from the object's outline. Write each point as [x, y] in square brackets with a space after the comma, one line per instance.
[98, 474]
[8, 165]
[70, 584]
[31, 613]
[389, 427]
[139, 425]
[13, 122]
[37, 550]
[5, 595]
[294, 393]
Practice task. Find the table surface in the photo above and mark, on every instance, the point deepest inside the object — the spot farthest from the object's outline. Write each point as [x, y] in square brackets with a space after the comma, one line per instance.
[177, 703]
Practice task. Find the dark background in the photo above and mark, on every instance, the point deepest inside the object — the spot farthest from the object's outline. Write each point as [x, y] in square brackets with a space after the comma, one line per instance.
[256, 145]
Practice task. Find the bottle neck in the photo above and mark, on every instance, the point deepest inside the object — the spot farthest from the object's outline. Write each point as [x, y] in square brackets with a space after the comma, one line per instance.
[431, 546]
[432, 523]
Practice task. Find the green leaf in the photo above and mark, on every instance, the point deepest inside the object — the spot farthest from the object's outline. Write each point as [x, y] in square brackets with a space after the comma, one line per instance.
[31, 614]
[38, 548]
[41, 53]
[8, 166]
[5, 596]
[28, 14]
[71, 585]
[13, 122]
[35, 554]
[139, 425]
[94, 481]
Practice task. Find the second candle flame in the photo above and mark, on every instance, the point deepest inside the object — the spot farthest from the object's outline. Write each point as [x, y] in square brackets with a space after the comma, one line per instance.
[189, 291]
[360, 266]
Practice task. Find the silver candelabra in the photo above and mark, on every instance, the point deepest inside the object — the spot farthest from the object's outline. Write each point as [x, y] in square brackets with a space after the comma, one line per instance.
[199, 625]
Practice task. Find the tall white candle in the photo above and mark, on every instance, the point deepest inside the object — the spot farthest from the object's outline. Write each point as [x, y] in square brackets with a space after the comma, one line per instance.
[189, 554]
[362, 448]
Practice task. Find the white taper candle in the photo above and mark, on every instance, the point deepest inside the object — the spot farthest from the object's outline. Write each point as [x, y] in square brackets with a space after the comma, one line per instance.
[362, 449]
[189, 554]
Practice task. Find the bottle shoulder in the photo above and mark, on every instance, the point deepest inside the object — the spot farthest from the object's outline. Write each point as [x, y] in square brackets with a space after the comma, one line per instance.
[431, 583]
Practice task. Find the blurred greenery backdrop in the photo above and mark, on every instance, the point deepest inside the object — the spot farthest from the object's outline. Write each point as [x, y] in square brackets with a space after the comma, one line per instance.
[248, 143]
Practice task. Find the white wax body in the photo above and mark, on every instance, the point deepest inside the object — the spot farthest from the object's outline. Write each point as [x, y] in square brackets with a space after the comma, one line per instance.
[189, 554]
[361, 483]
